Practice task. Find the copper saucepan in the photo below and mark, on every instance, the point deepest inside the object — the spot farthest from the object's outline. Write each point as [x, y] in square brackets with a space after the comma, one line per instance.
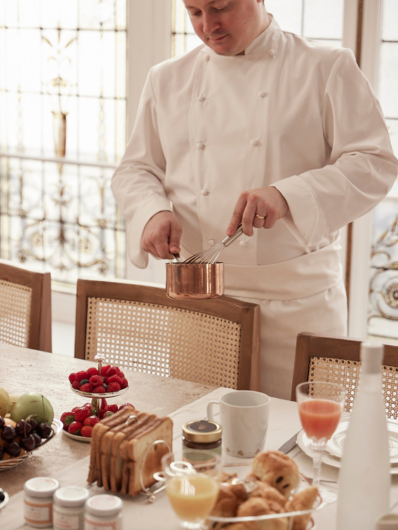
[194, 280]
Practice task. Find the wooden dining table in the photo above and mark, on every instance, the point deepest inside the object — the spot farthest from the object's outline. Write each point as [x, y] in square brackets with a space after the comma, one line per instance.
[24, 370]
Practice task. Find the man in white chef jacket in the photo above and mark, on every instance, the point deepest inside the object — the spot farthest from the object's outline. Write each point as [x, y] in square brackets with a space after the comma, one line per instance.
[263, 127]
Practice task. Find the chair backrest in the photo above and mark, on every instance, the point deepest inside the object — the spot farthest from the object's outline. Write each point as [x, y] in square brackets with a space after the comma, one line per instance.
[138, 327]
[25, 308]
[337, 360]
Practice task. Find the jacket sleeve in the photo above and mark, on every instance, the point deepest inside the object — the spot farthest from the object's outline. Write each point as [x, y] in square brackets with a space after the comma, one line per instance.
[137, 182]
[362, 167]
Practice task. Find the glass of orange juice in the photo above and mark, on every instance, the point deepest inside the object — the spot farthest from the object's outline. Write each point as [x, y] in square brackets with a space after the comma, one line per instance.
[192, 488]
[320, 405]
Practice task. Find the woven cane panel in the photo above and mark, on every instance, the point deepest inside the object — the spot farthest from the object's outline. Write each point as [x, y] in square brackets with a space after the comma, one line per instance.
[164, 341]
[14, 313]
[347, 373]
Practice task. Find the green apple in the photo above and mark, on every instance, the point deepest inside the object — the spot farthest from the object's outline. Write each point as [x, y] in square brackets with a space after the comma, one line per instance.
[33, 404]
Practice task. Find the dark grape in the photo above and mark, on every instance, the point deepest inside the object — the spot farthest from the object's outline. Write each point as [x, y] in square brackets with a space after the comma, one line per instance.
[37, 439]
[84, 381]
[8, 433]
[23, 428]
[13, 449]
[28, 443]
[2, 422]
[43, 430]
[32, 422]
[1, 453]
[2, 496]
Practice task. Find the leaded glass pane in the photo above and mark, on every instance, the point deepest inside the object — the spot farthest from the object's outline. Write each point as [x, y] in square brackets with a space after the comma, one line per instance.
[62, 133]
[383, 287]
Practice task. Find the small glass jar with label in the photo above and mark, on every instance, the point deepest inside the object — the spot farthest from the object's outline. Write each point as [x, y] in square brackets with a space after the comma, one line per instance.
[199, 438]
[103, 512]
[38, 501]
[69, 508]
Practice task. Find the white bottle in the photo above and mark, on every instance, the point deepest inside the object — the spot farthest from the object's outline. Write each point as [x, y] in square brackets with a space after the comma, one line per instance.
[364, 479]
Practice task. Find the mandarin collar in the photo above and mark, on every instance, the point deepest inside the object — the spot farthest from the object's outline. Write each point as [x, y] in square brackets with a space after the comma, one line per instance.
[267, 40]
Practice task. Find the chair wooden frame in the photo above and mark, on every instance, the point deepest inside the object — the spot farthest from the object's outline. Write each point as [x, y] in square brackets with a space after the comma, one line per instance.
[244, 313]
[310, 345]
[40, 336]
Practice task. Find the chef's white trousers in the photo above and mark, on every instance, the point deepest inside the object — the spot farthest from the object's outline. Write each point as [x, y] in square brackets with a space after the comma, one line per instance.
[324, 313]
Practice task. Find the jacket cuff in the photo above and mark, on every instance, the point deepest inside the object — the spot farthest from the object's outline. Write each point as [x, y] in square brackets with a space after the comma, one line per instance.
[302, 205]
[136, 227]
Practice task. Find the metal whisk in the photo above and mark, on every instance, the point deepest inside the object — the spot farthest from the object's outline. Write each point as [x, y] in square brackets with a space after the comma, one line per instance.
[212, 254]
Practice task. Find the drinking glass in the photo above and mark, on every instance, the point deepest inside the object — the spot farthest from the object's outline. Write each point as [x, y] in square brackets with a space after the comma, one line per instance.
[320, 405]
[192, 488]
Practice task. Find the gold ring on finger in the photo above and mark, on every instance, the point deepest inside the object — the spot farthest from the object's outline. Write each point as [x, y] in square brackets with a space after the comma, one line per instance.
[260, 216]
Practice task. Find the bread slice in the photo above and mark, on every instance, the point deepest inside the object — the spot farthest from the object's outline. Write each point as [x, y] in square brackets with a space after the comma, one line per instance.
[99, 430]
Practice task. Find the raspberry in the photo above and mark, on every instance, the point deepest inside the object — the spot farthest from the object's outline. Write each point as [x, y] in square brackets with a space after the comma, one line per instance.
[104, 369]
[76, 385]
[99, 390]
[113, 387]
[81, 414]
[92, 371]
[72, 377]
[81, 375]
[125, 383]
[118, 371]
[86, 388]
[74, 428]
[87, 431]
[67, 418]
[96, 380]
[111, 371]
[114, 379]
[91, 420]
[112, 408]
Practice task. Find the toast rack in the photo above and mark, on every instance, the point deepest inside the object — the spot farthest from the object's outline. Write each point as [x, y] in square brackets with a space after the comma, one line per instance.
[212, 254]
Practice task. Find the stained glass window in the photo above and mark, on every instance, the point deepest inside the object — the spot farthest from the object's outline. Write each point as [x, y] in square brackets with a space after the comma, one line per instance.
[320, 20]
[62, 133]
[383, 292]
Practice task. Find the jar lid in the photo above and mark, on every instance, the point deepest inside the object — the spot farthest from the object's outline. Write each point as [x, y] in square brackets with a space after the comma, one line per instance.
[41, 486]
[202, 431]
[70, 496]
[104, 505]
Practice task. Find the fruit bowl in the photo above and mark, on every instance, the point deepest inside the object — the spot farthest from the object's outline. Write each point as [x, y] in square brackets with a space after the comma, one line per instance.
[56, 427]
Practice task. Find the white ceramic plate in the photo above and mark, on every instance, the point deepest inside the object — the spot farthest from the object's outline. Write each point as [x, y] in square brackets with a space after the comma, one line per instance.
[305, 445]
[77, 438]
[336, 443]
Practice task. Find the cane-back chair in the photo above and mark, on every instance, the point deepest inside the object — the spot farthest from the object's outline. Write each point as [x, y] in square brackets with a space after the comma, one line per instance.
[215, 342]
[337, 360]
[25, 308]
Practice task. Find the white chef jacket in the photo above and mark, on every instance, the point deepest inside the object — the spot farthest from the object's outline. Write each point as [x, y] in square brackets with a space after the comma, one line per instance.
[289, 113]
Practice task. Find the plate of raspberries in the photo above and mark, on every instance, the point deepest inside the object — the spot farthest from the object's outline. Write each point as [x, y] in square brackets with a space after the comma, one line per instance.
[91, 383]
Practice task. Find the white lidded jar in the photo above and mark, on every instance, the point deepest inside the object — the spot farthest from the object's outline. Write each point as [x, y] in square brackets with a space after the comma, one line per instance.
[69, 505]
[38, 501]
[364, 479]
[103, 512]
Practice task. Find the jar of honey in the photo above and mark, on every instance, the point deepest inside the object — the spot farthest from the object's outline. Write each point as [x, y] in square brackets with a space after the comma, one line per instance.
[201, 438]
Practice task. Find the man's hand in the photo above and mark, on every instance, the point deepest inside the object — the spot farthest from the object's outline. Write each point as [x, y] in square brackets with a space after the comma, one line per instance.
[161, 236]
[268, 203]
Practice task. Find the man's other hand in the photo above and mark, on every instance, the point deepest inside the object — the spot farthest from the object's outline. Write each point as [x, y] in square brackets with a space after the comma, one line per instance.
[259, 208]
[161, 236]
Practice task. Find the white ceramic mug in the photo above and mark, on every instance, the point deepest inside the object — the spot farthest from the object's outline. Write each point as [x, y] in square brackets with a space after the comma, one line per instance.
[244, 420]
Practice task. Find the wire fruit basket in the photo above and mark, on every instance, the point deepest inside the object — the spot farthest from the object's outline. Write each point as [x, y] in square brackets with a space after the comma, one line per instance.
[56, 427]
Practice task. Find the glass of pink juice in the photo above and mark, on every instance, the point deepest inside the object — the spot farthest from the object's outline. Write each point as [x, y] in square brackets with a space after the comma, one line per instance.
[320, 405]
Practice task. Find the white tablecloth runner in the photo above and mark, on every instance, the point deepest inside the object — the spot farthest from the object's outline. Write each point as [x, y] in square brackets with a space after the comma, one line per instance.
[140, 515]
